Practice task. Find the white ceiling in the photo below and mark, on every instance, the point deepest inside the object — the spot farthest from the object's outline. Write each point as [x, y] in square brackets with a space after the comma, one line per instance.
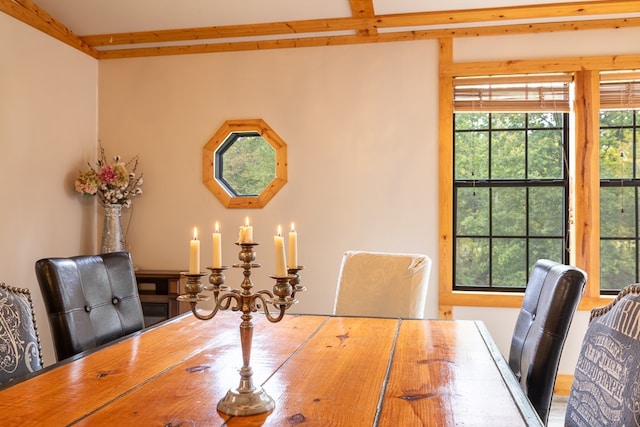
[91, 17]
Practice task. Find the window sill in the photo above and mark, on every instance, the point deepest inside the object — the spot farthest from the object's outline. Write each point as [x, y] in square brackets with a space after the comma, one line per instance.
[507, 300]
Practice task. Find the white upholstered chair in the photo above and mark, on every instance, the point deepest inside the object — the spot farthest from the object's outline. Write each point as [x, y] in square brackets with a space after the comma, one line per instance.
[382, 285]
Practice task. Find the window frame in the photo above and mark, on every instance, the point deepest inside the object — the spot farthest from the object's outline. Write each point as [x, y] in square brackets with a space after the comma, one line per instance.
[584, 217]
[223, 194]
[627, 183]
[523, 183]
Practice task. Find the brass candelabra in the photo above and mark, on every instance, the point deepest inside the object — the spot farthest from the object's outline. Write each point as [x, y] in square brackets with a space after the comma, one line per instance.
[247, 398]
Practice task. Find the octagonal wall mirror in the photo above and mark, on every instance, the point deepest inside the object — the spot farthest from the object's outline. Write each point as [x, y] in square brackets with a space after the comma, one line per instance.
[244, 164]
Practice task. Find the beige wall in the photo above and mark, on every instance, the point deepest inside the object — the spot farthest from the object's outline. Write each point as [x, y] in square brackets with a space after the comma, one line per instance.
[47, 131]
[361, 151]
[352, 116]
[360, 123]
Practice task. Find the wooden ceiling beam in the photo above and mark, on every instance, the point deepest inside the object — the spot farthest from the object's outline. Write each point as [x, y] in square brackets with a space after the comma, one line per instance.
[505, 14]
[363, 9]
[362, 27]
[29, 13]
[378, 38]
[230, 31]
[363, 24]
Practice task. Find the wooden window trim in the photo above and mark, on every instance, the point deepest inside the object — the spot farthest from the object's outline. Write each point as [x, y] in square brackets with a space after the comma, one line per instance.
[585, 214]
[208, 163]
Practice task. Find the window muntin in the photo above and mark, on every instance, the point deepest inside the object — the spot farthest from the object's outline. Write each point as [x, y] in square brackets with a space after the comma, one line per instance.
[510, 196]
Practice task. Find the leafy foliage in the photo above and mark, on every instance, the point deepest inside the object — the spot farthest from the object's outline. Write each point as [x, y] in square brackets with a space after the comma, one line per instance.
[510, 194]
[618, 198]
[249, 165]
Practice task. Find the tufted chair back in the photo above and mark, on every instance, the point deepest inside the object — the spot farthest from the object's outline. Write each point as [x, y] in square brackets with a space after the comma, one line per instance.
[91, 300]
[550, 300]
[20, 351]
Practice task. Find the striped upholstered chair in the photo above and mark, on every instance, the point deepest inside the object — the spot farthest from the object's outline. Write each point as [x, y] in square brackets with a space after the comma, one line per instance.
[606, 382]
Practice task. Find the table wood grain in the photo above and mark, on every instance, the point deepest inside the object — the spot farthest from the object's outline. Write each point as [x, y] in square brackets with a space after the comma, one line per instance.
[320, 370]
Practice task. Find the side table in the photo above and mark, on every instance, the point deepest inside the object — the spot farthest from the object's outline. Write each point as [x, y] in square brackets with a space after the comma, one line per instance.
[158, 291]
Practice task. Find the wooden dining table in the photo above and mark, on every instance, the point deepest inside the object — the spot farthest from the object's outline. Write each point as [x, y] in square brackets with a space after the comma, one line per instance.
[320, 370]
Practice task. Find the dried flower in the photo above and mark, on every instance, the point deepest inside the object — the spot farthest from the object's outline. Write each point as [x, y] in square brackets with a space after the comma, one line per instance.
[113, 183]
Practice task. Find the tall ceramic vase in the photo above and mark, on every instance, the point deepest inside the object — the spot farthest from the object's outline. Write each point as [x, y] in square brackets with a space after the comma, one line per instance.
[112, 237]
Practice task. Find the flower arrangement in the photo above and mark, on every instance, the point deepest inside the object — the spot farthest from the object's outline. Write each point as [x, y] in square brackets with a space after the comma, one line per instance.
[113, 183]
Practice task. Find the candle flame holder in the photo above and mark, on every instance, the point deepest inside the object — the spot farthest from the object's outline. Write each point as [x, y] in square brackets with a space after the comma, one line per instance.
[247, 398]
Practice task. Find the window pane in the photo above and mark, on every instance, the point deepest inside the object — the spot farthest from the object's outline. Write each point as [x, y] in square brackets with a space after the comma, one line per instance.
[616, 118]
[637, 155]
[546, 120]
[509, 262]
[518, 213]
[472, 262]
[509, 211]
[617, 212]
[545, 249]
[472, 121]
[545, 154]
[616, 153]
[507, 155]
[472, 155]
[546, 215]
[249, 164]
[618, 199]
[508, 120]
[618, 261]
[472, 215]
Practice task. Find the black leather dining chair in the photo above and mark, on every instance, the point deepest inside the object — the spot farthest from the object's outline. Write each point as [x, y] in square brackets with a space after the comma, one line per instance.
[20, 350]
[90, 299]
[606, 381]
[550, 301]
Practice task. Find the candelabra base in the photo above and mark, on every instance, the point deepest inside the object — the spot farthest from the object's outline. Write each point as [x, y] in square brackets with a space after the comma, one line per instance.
[255, 401]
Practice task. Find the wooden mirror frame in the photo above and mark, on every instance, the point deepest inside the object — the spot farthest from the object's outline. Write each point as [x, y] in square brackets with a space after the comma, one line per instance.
[208, 163]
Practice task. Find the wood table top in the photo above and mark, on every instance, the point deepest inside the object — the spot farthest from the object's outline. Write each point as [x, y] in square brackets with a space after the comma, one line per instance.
[320, 370]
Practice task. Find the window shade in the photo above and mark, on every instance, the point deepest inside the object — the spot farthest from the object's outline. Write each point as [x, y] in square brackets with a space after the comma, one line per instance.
[548, 92]
[619, 90]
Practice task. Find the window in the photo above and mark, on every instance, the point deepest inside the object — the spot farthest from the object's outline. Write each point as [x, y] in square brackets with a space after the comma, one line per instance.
[244, 164]
[511, 180]
[619, 183]
[589, 82]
